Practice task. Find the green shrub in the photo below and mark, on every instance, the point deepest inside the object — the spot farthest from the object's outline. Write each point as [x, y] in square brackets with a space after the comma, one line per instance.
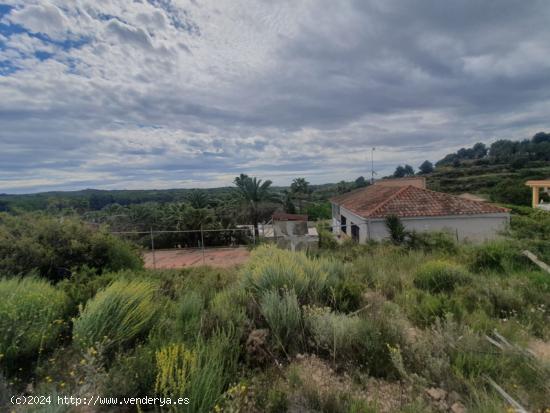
[284, 317]
[375, 338]
[319, 210]
[495, 256]
[228, 308]
[440, 276]
[272, 269]
[54, 246]
[216, 365]
[83, 284]
[132, 374]
[346, 294]
[327, 240]
[117, 315]
[396, 229]
[31, 318]
[188, 315]
[334, 333]
[424, 308]
[363, 340]
[505, 301]
[432, 242]
[175, 364]
[277, 401]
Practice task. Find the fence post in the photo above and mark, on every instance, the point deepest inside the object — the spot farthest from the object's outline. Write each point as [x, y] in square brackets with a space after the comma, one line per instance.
[153, 248]
[254, 235]
[202, 245]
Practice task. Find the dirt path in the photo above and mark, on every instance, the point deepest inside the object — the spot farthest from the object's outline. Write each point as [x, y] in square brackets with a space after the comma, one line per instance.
[180, 258]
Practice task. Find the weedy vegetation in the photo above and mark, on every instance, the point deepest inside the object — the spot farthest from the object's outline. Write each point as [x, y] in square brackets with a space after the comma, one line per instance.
[408, 325]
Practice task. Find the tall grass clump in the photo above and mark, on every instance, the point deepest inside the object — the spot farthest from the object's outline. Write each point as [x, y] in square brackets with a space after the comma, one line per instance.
[228, 308]
[215, 368]
[334, 333]
[117, 315]
[272, 269]
[440, 276]
[284, 317]
[31, 313]
[188, 315]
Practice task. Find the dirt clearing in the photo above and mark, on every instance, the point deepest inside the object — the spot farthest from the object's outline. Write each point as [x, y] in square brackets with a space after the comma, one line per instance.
[215, 257]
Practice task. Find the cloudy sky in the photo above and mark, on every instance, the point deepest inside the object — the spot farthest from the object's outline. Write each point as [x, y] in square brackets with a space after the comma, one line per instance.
[189, 93]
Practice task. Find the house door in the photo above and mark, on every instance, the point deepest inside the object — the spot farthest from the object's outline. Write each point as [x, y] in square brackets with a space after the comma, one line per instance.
[355, 232]
[343, 224]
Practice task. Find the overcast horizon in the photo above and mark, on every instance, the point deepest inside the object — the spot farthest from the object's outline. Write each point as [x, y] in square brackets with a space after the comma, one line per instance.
[157, 94]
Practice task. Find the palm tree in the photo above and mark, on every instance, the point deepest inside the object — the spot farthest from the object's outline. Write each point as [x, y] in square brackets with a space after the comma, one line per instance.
[197, 199]
[253, 192]
[300, 189]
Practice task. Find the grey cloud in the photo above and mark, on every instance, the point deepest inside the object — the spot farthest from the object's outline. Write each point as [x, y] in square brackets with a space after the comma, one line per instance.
[44, 18]
[415, 79]
[127, 33]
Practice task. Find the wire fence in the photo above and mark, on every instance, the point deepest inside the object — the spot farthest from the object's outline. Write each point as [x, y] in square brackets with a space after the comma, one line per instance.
[199, 239]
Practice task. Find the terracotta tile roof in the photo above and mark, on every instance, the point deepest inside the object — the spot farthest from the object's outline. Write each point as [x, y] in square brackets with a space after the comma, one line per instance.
[408, 201]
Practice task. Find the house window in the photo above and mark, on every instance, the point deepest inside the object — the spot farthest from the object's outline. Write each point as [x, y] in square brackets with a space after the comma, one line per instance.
[343, 224]
[354, 232]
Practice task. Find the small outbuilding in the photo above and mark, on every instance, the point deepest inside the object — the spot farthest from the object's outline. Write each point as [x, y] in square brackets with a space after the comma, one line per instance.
[291, 231]
[361, 214]
[538, 187]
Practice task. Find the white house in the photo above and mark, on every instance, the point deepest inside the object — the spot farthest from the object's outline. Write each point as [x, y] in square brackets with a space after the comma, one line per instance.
[361, 214]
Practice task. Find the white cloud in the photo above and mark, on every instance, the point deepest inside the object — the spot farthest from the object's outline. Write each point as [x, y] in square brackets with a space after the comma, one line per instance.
[176, 92]
[41, 18]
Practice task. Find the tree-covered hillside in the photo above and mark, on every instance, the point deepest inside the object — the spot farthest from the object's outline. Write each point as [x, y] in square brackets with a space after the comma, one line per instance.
[498, 171]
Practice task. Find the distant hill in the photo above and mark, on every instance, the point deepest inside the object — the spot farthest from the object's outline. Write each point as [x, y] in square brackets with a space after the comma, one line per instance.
[96, 199]
[498, 171]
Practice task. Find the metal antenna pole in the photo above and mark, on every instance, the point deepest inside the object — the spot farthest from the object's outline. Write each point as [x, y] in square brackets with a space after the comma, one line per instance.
[372, 165]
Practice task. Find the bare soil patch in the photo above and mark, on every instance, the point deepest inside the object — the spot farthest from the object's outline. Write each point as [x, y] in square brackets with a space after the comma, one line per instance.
[181, 258]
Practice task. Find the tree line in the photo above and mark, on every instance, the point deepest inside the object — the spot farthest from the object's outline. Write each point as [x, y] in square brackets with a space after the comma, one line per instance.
[515, 153]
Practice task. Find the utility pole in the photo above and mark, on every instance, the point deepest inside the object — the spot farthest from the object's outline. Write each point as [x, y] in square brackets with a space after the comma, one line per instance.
[372, 165]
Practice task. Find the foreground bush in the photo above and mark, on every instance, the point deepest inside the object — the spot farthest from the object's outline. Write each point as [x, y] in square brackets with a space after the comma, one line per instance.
[117, 315]
[495, 256]
[284, 317]
[175, 364]
[53, 246]
[31, 313]
[433, 241]
[132, 373]
[202, 372]
[272, 269]
[332, 332]
[440, 276]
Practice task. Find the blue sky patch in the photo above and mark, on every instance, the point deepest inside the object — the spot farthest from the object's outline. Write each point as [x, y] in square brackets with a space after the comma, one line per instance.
[7, 68]
[40, 55]
[4, 9]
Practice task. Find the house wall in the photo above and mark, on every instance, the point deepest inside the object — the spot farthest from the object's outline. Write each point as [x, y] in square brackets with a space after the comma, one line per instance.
[351, 219]
[475, 228]
[288, 228]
